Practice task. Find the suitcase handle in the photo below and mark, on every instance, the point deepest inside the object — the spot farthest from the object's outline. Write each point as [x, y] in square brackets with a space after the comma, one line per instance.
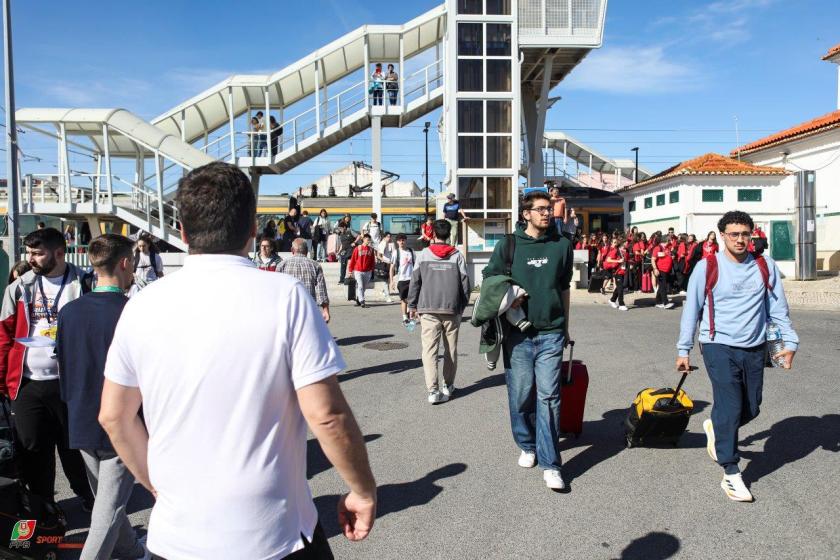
[571, 361]
[679, 385]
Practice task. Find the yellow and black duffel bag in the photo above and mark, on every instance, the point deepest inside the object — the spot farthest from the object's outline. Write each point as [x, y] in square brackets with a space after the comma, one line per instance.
[658, 416]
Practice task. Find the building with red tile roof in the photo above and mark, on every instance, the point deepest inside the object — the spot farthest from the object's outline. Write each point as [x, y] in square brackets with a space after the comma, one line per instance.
[818, 125]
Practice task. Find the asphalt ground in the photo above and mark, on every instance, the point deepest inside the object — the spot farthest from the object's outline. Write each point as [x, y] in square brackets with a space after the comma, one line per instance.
[450, 488]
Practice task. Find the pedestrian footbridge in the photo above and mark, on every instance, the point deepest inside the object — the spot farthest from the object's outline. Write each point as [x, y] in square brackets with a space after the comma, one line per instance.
[490, 64]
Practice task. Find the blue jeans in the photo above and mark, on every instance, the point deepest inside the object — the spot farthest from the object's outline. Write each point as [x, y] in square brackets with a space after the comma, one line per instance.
[533, 383]
[737, 376]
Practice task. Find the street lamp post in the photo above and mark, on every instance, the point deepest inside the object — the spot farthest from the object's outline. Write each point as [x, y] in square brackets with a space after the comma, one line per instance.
[11, 138]
[636, 172]
[426, 132]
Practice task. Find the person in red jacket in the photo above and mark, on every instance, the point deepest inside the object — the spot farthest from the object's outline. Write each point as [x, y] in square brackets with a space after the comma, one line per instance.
[710, 246]
[614, 263]
[758, 242]
[29, 374]
[663, 267]
[361, 267]
[693, 254]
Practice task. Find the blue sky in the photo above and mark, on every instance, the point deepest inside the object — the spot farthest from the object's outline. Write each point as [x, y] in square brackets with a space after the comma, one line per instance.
[671, 77]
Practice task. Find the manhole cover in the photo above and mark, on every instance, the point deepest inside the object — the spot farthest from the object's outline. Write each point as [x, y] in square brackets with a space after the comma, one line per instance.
[384, 346]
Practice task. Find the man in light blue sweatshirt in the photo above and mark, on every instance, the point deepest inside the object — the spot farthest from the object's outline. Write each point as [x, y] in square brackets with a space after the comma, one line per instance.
[733, 342]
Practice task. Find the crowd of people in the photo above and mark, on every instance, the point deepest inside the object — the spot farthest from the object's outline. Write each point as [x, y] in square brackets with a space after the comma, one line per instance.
[628, 261]
[213, 418]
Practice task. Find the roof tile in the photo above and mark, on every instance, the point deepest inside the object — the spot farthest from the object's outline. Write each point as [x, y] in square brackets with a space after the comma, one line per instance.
[831, 120]
[711, 164]
[832, 51]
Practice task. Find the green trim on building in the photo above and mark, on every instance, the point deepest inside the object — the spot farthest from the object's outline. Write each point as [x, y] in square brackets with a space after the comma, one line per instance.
[830, 214]
[654, 221]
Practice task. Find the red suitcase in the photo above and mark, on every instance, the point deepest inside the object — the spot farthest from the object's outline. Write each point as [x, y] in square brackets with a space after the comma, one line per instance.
[574, 382]
[647, 284]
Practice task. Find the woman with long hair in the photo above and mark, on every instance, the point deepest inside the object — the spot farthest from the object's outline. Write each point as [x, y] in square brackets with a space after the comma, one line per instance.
[710, 246]
[614, 263]
[321, 230]
[663, 267]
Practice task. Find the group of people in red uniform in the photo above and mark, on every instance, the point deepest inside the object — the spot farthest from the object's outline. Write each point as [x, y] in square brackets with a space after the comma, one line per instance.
[662, 263]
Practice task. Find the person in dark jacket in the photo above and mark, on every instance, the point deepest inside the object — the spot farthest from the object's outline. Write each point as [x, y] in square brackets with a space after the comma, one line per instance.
[85, 329]
[542, 265]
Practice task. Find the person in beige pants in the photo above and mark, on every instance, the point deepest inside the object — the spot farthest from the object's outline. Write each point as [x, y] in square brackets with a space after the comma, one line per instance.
[439, 291]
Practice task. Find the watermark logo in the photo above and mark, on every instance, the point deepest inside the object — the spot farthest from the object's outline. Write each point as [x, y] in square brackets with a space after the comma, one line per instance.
[23, 530]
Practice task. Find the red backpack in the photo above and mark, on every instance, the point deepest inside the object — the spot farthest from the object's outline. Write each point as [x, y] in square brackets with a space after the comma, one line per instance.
[712, 272]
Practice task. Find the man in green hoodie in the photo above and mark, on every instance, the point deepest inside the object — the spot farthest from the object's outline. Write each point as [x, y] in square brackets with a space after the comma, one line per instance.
[541, 264]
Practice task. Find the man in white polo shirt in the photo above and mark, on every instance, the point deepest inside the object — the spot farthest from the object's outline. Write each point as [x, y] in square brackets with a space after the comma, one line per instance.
[229, 374]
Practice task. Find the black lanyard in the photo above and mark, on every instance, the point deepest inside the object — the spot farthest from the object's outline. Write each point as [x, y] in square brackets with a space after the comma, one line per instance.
[44, 299]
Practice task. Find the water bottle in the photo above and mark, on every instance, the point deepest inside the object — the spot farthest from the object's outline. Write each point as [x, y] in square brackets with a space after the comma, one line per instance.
[775, 344]
[409, 326]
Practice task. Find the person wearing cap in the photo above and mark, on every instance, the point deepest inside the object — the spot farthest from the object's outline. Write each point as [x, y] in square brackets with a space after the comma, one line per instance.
[452, 212]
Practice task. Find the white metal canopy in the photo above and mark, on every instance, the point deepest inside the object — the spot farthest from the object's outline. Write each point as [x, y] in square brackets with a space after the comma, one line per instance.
[589, 157]
[128, 134]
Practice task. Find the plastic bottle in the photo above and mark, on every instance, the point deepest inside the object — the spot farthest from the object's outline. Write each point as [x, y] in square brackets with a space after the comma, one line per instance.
[410, 325]
[775, 344]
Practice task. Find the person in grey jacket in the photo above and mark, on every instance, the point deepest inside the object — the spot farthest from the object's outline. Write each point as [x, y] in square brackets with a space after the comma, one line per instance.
[439, 292]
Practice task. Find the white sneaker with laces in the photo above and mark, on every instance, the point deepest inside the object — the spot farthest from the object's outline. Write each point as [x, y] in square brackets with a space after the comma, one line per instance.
[734, 487]
[710, 438]
[447, 390]
[528, 459]
[614, 305]
[553, 480]
[622, 308]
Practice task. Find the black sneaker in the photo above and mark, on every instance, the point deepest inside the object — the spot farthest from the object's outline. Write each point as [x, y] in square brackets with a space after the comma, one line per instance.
[364, 305]
[357, 303]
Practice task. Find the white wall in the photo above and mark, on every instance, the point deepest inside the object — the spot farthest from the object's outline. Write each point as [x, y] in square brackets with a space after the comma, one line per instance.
[820, 153]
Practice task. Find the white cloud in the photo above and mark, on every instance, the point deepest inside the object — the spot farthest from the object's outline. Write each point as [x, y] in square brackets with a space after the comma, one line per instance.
[633, 70]
[725, 22]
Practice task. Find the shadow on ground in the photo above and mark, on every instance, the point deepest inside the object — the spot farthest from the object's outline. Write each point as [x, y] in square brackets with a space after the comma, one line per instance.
[350, 340]
[316, 461]
[389, 368]
[604, 439]
[392, 498]
[788, 441]
[653, 546]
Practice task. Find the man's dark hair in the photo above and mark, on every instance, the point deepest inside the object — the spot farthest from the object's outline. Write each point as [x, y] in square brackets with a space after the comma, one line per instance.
[735, 217]
[401, 237]
[366, 236]
[217, 208]
[533, 196]
[42, 225]
[269, 239]
[48, 238]
[106, 251]
[442, 229]
[373, 215]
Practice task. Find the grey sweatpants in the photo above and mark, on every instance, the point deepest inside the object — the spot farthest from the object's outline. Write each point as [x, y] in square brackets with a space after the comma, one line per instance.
[110, 530]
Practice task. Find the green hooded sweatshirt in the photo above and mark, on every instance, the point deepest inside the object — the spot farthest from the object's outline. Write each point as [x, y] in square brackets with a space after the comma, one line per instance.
[543, 267]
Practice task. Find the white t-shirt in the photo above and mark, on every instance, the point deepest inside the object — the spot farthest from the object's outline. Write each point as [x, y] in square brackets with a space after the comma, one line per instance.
[386, 249]
[145, 270]
[40, 363]
[227, 440]
[406, 264]
[374, 229]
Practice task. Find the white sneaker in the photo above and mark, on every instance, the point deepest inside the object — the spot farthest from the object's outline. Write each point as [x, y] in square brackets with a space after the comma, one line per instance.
[614, 305]
[710, 438]
[660, 306]
[553, 480]
[682, 292]
[434, 397]
[447, 390]
[528, 459]
[623, 308]
[734, 487]
[669, 305]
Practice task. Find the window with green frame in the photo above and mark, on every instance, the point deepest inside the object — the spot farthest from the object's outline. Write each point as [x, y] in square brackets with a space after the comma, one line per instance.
[632, 205]
[649, 202]
[673, 197]
[660, 200]
[749, 195]
[712, 195]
